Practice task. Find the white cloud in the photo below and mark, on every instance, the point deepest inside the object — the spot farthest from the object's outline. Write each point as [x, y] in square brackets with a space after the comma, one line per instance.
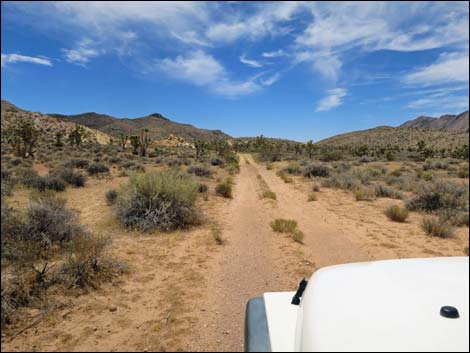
[203, 69]
[252, 63]
[82, 53]
[274, 54]
[332, 100]
[268, 81]
[17, 58]
[449, 68]
[441, 101]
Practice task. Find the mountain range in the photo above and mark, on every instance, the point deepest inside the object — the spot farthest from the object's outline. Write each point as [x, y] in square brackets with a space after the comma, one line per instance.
[446, 122]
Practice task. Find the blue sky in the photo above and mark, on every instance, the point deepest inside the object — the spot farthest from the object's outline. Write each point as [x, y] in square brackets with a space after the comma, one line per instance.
[298, 70]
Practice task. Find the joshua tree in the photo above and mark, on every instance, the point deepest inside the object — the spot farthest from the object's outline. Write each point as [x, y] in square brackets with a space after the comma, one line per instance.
[123, 138]
[200, 146]
[135, 143]
[144, 142]
[23, 136]
[58, 136]
[76, 135]
[310, 149]
[221, 147]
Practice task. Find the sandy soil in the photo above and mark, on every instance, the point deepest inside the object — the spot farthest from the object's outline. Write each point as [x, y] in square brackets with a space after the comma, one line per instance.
[184, 292]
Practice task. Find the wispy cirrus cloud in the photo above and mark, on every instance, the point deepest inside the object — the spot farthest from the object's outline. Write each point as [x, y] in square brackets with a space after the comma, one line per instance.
[249, 62]
[332, 100]
[82, 53]
[449, 68]
[274, 54]
[18, 58]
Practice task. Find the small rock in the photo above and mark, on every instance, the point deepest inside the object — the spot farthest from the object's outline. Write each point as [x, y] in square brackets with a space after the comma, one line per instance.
[112, 308]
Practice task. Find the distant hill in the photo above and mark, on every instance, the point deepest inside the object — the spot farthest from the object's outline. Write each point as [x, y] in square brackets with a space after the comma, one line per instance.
[403, 137]
[446, 122]
[159, 127]
[48, 124]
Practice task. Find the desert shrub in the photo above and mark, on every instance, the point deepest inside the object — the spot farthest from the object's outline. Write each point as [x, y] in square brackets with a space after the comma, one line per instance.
[384, 191]
[217, 162]
[173, 162]
[268, 194]
[364, 194]
[158, 201]
[269, 166]
[396, 213]
[86, 261]
[27, 176]
[437, 227]
[463, 172]
[285, 178]
[202, 188]
[298, 236]
[97, 168]
[200, 171]
[439, 195]
[331, 156]
[342, 181]
[455, 217]
[111, 196]
[78, 163]
[114, 160]
[16, 161]
[131, 165]
[52, 182]
[281, 225]
[436, 164]
[217, 235]
[396, 173]
[314, 170]
[72, 178]
[233, 169]
[342, 167]
[293, 168]
[426, 176]
[224, 189]
[312, 197]
[316, 188]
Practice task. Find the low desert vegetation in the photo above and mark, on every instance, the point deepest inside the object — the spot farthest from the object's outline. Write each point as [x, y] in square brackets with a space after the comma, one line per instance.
[289, 226]
[437, 227]
[161, 201]
[312, 197]
[216, 232]
[397, 213]
[224, 189]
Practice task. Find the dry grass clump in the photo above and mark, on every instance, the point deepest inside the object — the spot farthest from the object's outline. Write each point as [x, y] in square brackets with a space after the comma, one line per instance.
[281, 225]
[384, 191]
[269, 166]
[268, 194]
[285, 178]
[364, 194]
[312, 197]
[293, 168]
[158, 201]
[437, 227]
[397, 213]
[217, 235]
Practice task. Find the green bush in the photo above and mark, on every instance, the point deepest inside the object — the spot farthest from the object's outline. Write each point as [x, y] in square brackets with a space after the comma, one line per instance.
[268, 194]
[396, 213]
[158, 201]
[224, 189]
[293, 168]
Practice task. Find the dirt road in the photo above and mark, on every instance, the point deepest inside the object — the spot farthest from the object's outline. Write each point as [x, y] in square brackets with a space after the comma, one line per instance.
[256, 260]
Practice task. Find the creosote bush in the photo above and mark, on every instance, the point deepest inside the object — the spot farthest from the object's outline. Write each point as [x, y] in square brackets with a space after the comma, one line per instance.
[396, 213]
[72, 178]
[158, 201]
[281, 225]
[111, 196]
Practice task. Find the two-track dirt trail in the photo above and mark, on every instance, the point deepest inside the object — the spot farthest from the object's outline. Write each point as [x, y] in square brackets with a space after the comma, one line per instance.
[257, 260]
